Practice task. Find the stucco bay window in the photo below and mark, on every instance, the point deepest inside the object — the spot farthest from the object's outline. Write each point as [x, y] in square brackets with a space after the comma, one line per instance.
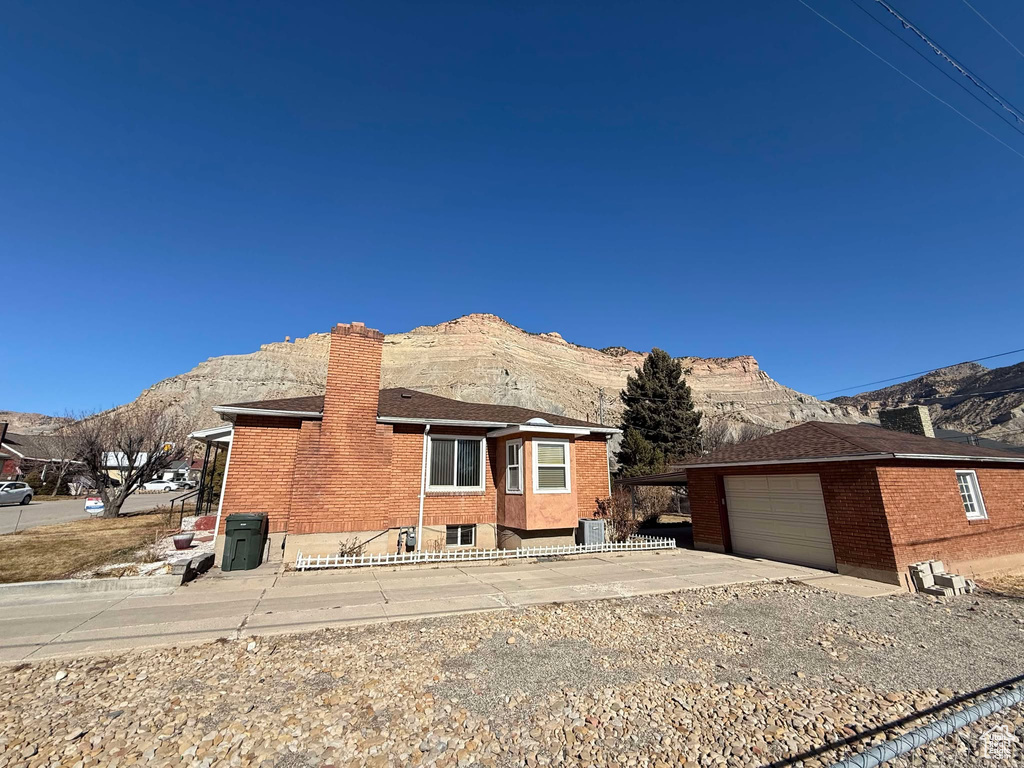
[456, 463]
[551, 466]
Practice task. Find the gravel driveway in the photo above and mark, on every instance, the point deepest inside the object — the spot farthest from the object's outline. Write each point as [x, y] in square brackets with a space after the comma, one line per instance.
[756, 675]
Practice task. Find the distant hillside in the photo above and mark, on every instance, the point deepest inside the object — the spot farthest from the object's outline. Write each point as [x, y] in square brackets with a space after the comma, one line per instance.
[968, 397]
[482, 358]
[30, 423]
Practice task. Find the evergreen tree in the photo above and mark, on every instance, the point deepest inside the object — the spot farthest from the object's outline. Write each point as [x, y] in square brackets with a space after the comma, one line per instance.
[659, 407]
[638, 457]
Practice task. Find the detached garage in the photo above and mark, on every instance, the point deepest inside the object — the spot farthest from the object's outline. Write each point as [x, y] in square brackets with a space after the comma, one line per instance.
[860, 500]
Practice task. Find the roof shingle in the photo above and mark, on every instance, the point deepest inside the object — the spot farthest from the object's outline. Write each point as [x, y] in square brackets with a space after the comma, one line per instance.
[402, 403]
[822, 440]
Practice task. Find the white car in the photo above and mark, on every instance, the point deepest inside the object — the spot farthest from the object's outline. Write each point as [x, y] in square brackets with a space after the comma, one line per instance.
[160, 485]
[15, 493]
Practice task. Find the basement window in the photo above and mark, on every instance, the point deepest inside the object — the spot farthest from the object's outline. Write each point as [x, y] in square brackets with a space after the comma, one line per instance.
[456, 463]
[970, 494]
[460, 535]
[551, 466]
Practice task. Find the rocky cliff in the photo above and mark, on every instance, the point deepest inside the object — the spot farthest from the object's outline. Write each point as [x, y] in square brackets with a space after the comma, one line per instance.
[482, 358]
[967, 397]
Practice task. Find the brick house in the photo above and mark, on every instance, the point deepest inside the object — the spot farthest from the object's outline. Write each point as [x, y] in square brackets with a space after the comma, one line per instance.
[365, 465]
[860, 500]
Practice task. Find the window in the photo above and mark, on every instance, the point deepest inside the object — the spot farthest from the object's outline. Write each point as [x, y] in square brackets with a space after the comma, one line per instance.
[456, 463]
[460, 535]
[513, 468]
[551, 466]
[970, 494]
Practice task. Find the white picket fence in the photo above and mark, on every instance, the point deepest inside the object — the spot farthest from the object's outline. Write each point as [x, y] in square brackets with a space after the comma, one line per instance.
[633, 544]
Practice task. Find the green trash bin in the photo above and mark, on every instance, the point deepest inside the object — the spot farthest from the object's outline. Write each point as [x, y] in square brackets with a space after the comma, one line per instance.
[244, 537]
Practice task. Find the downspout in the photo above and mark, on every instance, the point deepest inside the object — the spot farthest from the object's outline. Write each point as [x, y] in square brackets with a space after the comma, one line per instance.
[423, 490]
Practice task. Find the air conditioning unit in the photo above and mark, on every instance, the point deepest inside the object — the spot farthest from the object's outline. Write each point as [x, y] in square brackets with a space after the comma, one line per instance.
[590, 532]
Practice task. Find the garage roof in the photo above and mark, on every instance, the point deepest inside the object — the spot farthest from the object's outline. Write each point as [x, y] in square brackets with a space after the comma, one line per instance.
[822, 441]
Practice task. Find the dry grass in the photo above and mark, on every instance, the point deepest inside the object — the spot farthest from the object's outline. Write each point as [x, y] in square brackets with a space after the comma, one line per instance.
[59, 551]
[1005, 584]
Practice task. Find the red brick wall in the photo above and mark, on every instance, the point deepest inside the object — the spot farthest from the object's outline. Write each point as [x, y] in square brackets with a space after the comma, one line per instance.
[853, 503]
[261, 473]
[928, 520]
[590, 472]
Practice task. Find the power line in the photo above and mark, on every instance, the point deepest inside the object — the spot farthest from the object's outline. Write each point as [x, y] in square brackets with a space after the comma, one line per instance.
[976, 11]
[921, 373]
[908, 77]
[962, 69]
[944, 73]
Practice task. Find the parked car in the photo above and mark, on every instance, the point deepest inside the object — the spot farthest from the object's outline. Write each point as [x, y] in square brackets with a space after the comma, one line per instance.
[160, 485]
[15, 493]
[186, 485]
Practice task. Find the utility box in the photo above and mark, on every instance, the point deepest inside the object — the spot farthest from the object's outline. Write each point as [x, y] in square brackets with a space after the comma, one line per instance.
[590, 531]
[244, 537]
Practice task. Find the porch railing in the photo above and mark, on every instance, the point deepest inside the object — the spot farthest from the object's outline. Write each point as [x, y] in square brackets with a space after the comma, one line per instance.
[633, 544]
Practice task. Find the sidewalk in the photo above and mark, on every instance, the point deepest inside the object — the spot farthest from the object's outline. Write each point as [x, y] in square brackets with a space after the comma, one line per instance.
[263, 602]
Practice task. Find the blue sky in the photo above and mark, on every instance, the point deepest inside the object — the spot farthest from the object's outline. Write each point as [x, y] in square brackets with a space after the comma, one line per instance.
[185, 180]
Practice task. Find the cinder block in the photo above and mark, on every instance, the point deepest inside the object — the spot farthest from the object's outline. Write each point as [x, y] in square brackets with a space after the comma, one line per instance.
[922, 580]
[940, 591]
[937, 566]
[950, 580]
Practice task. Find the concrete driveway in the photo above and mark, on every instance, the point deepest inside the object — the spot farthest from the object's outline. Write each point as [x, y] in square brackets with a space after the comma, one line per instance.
[45, 512]
[264, 602]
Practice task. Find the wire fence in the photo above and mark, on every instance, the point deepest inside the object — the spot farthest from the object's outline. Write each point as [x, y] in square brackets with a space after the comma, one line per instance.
[633, 544]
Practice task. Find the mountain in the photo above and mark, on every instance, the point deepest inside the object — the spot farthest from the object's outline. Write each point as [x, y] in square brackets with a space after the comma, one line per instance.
[968, 397]
[482, 358]
[30, 423]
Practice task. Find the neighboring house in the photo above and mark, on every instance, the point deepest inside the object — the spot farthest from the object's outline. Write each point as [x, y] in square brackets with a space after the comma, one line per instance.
[860, 500]
[23, 454]
[116, 462]
[360, 464]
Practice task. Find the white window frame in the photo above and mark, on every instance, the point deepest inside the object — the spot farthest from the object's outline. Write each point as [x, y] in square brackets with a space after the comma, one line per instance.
[519, 450]
[974, 487]
[461, 543]
[482, 439]
[536, 466]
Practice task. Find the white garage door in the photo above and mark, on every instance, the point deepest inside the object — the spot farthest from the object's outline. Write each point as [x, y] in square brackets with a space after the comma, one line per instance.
[780, 517]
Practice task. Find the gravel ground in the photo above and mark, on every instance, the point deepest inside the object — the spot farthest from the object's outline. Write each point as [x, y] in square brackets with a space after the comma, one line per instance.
[758, 675]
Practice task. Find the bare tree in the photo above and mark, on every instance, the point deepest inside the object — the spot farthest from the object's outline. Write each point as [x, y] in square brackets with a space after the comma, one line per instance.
[748, 431]
[715, 432]
[62, 452]
[137, 443]
[719, 431]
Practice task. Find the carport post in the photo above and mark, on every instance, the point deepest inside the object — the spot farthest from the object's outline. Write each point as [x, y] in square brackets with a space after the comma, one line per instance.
[632, 501]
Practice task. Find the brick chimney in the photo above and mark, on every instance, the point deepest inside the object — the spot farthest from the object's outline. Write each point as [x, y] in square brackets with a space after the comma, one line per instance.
[353, 380]
[914, 419]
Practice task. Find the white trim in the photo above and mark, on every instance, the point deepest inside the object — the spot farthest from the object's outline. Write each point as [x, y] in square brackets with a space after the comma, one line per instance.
[932, 457]
[536, 467]
[518, 443]
[551, 430]
[220, 501]
[975, 487]
[439, 422]
[482, 440]
[267, 412]
[213, 434]
[19, 454]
